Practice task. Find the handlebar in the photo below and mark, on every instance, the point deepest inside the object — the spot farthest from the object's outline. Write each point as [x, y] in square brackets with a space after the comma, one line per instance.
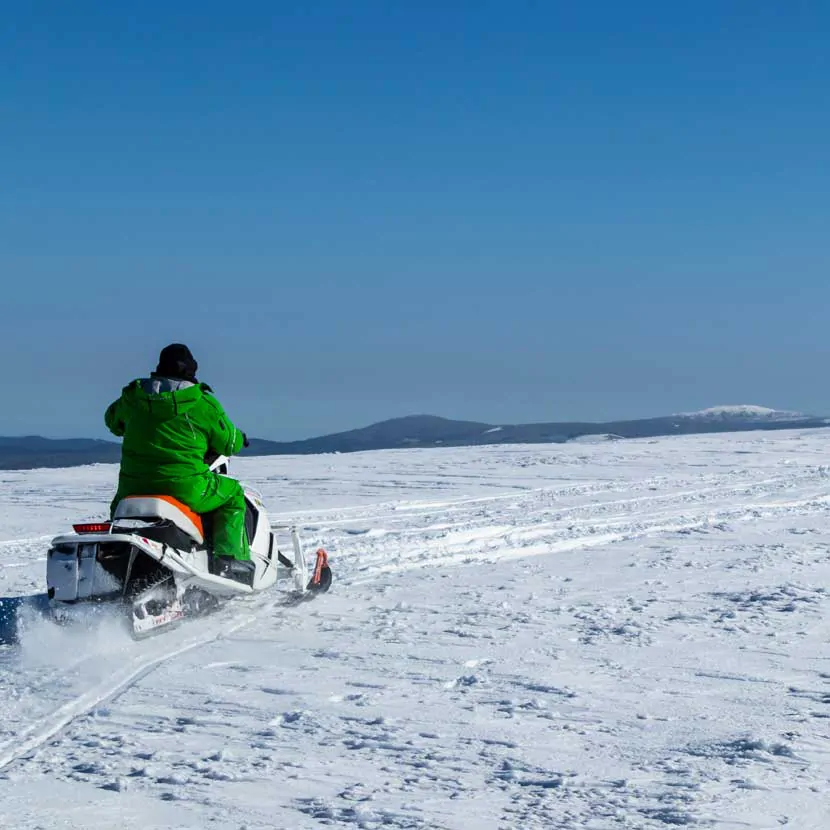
[217, 463]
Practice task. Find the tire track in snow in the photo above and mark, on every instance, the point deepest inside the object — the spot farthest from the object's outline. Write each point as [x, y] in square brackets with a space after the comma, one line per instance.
[398, 509]
[29, 739]
[483, 540]
[411, 510]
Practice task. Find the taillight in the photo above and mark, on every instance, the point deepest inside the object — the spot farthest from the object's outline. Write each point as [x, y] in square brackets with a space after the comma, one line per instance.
[93, 527]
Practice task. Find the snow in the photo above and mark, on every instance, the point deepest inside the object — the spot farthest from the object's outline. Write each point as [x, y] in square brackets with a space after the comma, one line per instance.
[744, 412]
[493, 429]
[627, 634]
[599, 438]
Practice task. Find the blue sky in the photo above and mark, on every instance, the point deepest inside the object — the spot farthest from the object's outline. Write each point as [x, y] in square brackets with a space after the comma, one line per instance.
[499, 211]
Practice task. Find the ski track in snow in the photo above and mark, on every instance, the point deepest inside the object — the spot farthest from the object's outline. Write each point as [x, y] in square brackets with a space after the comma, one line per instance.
[625, 635]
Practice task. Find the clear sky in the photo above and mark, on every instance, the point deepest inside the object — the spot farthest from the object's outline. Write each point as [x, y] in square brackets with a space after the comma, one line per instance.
[500, 211]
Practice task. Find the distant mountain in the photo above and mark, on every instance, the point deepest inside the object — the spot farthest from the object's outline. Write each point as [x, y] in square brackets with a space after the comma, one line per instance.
[431, 431]
[410, 431]
[33, 451]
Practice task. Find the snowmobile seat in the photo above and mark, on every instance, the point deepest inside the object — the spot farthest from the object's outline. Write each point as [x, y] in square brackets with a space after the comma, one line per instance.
[167, 510]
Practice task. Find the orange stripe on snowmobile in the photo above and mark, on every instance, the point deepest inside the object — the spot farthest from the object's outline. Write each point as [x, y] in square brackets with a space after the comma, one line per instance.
[194, 517]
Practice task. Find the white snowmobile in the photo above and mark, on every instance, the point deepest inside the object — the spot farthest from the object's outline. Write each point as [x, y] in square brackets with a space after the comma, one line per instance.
[155, 557]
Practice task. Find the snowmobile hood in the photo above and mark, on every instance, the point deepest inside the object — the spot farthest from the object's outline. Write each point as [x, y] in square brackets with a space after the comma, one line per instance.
[166, 398]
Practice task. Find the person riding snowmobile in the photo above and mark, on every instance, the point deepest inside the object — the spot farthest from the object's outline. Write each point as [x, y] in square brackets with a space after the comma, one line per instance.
[170, 422]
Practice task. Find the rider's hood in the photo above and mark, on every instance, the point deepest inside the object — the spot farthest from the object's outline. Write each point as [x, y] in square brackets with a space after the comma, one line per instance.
[167, 397]
[156, 385]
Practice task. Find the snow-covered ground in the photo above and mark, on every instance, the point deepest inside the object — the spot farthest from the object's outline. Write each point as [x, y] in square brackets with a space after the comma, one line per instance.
[630, 634]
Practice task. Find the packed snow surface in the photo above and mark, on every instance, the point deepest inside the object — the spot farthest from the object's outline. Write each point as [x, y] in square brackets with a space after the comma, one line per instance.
[599, 438]
[622, 635]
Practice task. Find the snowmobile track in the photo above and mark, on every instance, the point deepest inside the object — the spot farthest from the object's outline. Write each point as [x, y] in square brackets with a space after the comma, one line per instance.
[32, 738]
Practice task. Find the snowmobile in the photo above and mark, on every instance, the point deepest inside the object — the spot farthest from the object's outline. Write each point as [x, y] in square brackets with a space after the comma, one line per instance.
[155, 558]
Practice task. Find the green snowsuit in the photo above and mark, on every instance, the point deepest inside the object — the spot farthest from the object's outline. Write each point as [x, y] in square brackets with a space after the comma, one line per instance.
[168, 428]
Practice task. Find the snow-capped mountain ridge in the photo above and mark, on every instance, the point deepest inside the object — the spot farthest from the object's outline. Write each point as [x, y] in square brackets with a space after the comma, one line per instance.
[744, 412]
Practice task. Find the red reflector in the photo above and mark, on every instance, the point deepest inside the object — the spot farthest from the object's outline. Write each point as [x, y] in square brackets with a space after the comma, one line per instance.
[93, 527]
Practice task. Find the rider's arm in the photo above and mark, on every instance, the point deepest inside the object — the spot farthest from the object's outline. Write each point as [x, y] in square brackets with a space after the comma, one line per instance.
[223, 438]
[116, 417]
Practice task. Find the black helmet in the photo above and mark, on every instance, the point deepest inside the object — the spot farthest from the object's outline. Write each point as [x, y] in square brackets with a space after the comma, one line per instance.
[176, 361]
